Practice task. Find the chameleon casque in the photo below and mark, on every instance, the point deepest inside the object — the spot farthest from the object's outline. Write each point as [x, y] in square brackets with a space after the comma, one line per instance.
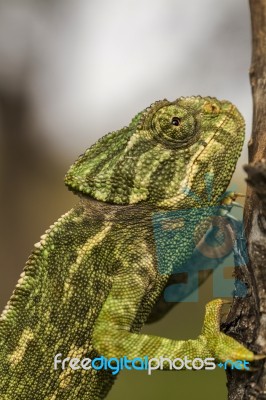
[93, 281]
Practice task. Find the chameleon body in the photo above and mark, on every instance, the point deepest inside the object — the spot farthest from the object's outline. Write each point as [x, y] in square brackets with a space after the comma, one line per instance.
[92, 281]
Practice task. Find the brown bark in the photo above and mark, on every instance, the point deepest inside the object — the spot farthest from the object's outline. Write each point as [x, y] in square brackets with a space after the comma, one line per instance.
[247, 319]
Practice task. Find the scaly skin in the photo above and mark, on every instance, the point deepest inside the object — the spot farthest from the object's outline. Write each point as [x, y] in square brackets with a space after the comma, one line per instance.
[93, 280]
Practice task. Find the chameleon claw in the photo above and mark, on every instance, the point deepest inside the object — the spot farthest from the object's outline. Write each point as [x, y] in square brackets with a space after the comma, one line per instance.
[236, 204]
[231, 197]
[259, 357]
[228, 202]
[240, 195]
[230, 216]
[225, 301]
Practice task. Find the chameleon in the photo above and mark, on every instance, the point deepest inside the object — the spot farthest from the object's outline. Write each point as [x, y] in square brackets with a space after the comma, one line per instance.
[92, 280]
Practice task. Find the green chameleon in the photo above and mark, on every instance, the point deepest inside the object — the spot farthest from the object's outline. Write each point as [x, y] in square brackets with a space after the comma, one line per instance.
[93, 280]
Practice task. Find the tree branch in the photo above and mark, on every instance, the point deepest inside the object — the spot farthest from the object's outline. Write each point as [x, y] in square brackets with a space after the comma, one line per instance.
[247, 319]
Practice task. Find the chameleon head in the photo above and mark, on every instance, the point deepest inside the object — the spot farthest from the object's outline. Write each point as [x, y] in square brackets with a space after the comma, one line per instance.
[173, 155]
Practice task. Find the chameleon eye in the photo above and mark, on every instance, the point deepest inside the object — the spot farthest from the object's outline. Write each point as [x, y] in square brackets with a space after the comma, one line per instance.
[176, 121]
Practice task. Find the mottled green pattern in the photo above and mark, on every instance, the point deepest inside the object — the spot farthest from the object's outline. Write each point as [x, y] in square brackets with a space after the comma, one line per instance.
[93, 280]
[66, 281]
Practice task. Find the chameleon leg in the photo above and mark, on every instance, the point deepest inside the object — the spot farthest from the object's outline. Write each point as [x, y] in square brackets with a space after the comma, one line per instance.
[113, 335]
[223, 347]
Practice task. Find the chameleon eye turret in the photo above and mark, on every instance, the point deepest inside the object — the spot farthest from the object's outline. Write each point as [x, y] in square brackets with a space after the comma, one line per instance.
[172, 131]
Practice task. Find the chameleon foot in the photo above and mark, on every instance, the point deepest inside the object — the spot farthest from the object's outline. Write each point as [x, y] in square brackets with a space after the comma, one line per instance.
[228, 202]
[222, 346]
[230, 199]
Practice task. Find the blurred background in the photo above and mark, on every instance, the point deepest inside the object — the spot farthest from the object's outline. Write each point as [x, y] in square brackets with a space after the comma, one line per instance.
[71, 71]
